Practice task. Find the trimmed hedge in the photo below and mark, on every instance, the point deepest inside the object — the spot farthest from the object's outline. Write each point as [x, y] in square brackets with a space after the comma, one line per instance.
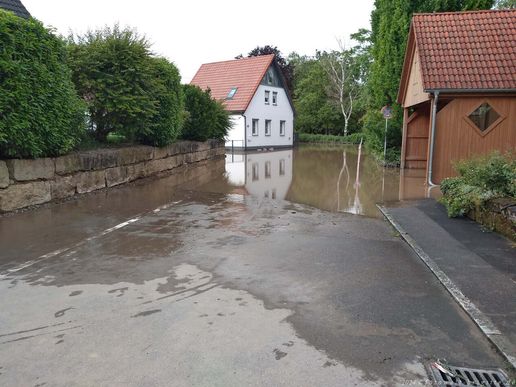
[166, 124]
[112, 72]
[40, 112]
[353, 138]
[206, 118]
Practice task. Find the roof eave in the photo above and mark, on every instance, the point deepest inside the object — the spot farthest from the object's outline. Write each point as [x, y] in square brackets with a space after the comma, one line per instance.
[470, 91]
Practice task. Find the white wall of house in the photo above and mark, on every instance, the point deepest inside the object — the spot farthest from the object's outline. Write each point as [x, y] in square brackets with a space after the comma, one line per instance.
[237, 131]
[281, 111]
[269, 174]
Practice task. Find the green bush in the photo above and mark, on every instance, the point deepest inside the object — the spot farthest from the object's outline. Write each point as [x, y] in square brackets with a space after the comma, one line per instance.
[40, 112]
[479, 180]
[165, 125]
[128, 91]
[374, 133]
[353, 138]
[206, 118]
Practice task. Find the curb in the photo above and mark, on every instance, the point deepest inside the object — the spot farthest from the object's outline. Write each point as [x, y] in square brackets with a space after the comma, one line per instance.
[487, 327]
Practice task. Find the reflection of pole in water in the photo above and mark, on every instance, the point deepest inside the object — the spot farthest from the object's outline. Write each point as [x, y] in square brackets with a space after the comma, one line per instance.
[356, 204]
[344, 167]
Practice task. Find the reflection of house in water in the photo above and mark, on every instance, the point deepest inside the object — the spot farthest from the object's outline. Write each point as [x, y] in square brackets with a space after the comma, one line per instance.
[264, 174]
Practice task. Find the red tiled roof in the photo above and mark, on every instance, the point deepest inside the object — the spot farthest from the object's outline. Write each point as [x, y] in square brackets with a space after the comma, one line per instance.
[244, 74]
[467, 50]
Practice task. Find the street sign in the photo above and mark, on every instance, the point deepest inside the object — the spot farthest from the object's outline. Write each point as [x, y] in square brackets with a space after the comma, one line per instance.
[387, 112]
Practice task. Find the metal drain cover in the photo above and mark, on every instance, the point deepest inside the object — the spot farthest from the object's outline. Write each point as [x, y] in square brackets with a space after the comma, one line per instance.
[452, 376]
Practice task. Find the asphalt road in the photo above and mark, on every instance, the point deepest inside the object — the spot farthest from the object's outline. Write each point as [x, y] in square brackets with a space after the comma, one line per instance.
[152, 285]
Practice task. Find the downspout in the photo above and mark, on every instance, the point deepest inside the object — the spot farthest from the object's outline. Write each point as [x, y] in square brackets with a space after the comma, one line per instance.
[245, 132]
[432, 139]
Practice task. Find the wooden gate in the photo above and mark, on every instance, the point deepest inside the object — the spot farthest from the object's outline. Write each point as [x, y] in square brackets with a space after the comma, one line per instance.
[416, 139]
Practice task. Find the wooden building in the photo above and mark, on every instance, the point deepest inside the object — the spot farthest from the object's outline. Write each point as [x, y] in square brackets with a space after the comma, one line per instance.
[458, 89]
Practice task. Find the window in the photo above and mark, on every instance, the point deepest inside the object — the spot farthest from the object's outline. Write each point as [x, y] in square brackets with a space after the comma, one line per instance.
[484, 117]
[274, 97]
[231, 93]
[267, 95]
[282, 167]
[255, 127]
[268, 125]
[282, 128]
[269, 76]
[273, 195]
[255, 172]
[268, 170]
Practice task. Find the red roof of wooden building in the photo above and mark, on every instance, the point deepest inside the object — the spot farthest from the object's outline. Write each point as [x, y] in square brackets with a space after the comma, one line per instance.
[243, 74]
[473, 50]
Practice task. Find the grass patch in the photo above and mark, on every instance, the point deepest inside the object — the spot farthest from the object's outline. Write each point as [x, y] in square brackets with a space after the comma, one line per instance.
[330, 139]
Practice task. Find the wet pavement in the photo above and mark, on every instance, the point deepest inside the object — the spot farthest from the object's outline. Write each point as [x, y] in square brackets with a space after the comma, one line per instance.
[222, 278]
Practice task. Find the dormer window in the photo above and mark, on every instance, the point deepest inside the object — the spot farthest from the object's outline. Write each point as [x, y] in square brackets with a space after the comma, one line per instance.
[267, 97]
[274, 98]
[232, 93]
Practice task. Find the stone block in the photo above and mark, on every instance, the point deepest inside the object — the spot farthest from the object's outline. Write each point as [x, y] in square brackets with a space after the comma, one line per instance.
[4, 175]
[135, 154]
[116, 176]
[100, 159]
[68, 164]
[23, 195]
[63, 187]
[90, 181]
[28, 169]
[167, 151]
[136, 171]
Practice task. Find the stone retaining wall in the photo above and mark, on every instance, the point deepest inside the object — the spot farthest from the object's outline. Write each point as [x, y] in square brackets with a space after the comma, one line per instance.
[498, 215]
[25, 182]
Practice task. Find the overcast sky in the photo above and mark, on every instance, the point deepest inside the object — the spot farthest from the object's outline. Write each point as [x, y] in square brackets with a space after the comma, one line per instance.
[192, 32]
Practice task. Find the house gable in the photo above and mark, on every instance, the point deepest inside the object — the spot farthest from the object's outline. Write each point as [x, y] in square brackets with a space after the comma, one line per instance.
[415, 93]
[16, 7]
[241, 75]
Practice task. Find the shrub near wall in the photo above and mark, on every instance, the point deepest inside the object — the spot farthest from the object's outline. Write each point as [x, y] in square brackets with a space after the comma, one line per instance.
[128, 91]
[206, 118]
[40, 113]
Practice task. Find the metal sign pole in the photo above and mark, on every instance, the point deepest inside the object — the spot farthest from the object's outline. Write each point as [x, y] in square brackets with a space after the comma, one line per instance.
[385, 142]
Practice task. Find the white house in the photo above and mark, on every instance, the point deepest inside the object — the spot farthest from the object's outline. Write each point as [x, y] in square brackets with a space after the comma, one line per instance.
[254, 93]
[265, 175]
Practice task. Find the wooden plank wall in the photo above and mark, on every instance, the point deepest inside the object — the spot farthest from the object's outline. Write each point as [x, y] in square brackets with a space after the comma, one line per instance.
[416, 141]
[456, 139]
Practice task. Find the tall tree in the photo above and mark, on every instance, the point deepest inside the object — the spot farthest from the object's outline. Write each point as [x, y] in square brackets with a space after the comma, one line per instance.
[315, 112]
[390, 22]
[342, 89]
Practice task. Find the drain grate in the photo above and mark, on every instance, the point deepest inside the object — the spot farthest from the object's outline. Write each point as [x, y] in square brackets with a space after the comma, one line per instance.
[452, 376]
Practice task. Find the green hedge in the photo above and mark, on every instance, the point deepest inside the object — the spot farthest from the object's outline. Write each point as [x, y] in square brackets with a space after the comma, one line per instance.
[479, 180]
[166, 124]
[40, 113]
[353, 138]
[206, 118]
[128, 91]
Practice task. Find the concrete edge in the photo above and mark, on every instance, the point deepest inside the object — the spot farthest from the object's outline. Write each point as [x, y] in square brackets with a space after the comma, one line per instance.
[480, 319]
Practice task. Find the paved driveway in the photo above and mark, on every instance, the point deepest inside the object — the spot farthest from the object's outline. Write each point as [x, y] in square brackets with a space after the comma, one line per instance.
[149, 285]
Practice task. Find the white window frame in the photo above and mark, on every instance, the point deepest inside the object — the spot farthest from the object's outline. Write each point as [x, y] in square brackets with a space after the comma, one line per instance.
[275, 98]
[268, 170]
[267, 97]
[268, 127]
[282, 127]
[255, 172]
[253, 127]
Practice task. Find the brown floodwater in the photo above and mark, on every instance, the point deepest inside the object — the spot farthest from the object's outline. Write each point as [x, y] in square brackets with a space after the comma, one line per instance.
[332, 178]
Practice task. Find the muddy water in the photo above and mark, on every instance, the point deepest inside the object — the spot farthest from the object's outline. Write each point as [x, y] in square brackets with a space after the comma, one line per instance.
[336, 179]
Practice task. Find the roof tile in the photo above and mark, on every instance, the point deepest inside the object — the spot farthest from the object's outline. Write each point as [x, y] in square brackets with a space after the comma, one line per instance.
[245, 74]
[467, 50]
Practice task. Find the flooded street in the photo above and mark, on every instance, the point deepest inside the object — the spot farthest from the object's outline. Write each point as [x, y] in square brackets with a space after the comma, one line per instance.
[252, 270]
[331, 178]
